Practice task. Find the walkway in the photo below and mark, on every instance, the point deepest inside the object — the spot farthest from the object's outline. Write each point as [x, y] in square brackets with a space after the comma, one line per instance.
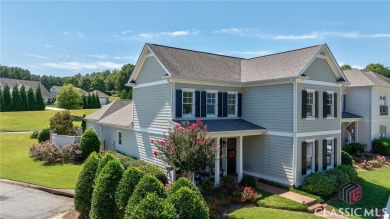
[54, 108]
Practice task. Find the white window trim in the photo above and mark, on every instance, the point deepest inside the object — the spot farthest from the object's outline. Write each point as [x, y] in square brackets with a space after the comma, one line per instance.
[332, 106]
[236, 106]
[193, 103]
[314, 105]
[313, 155]
[385, 131]
[331, 165]
[117, 138]
[216, 103]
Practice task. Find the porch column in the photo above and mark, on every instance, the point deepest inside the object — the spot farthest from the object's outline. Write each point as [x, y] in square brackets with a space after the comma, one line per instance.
[239, 155]
[217, 166]
[357, 132]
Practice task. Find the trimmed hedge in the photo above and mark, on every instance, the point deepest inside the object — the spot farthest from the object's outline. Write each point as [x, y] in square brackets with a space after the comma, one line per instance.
[353, 148]
[84, 185]
[126, 187]
[346, 159]
[248, 181]
[103, 197]
[152, 207]
[183, 182]
[44, 135]
[106, 158]
[188, 204]
[89, 142]
[381, 146]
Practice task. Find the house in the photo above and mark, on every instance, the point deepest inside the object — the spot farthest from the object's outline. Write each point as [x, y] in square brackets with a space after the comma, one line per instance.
[103, 98]
[27, 84]
[54, 91]
[276, 117]
[366, 97]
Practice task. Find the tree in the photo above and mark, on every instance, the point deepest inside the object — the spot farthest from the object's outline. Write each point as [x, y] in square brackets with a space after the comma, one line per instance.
[1, 100]
[90, 101]
[89, 142]
[85, 83]
[16, 100]
[85, 102]
[31, 99]
[187, 148]
[23, 97]
[98, 83]
[123, 76]
[124, 94]
[39, 99]
[130, 95]
[346, 67]
[7, 99]
[378, 68]
[69, 97]
[62, 123]
[83, 123]
[97, 102]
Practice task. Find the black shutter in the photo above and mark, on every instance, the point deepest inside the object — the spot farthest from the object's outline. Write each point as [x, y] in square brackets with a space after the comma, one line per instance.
[316, 103]
[324, 105]
[316, 156]
[220, 104]
[304, 144]
[179, 103]
[335, 152]
[203, 104]
[224, 104]
[239, 113]
[304, 104]
[324, 151]
[197, 103]
[335, 105]
[344, 96]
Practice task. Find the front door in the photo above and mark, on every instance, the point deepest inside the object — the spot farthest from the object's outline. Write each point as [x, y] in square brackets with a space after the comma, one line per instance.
[231, 155]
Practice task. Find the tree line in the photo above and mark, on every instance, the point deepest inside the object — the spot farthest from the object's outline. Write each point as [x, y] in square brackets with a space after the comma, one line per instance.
[69, 97]
[20, 100]
[374, 67]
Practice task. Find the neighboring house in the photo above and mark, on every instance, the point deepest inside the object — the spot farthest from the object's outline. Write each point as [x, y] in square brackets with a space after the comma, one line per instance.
[54, 91]
[276, 117]
[366, 97]
[27, 84]
[103, 98]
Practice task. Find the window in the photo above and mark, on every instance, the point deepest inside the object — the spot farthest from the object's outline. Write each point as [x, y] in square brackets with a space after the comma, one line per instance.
[330, 105]
[383, 109]
[382, 130]
[211, 102]
[119, 138]
[188, 103]
[310, 107]
[232, 104]
[309, 157]
[329, 153]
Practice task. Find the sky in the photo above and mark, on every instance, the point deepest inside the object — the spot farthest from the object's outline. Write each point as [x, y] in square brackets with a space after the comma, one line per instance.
[65, 38]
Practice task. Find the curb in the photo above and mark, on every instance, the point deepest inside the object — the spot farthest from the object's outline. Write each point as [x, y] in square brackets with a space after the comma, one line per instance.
[61, 192]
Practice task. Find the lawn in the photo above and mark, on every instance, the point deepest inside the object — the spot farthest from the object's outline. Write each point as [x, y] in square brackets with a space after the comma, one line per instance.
[259, 212]
[269, 200]
[34, 120]
[112, 98]
[15, 164]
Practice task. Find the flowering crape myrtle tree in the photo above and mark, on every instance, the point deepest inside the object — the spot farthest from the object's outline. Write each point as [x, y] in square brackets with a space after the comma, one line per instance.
[186, 148]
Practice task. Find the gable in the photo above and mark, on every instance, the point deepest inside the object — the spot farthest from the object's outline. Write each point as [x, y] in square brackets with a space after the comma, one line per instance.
[320, 70]
[151, 71]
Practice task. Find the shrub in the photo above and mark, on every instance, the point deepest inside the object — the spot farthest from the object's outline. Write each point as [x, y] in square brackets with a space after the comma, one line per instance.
[229, 183]
[248, 181]
[83, 123]
[84, 185]
[51, 153]
[188, 204]
[147, 184]
[103, 196]
[347, 148]
[126, 186]
[346, 159]
[350, 171]
[44, 135]
[339, 176]
[319, 184]
[249, 195]
[89, 142]
[62, 123]
[183, 182]
[103, 162]
[377, 162]
[353, 148]
[34, 134]
[153, 206]
[381, 146]
[72, 152]
[68, 97]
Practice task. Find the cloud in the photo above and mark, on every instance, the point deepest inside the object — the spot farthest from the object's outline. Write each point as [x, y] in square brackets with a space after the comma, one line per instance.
[49, 46]
[78, 66]
[126, 32]
[167, 34]
[76, 34]
[247, 54]
[104, 56]
[36, 56]
[341, 63]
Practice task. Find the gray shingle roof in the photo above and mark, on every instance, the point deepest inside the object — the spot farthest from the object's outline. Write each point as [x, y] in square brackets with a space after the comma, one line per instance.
[108, 110]
[201, 65]
[83, 92]
[225, 125]
[359, 78]
[347, 115]
[122, 117]
[100, 94]
[27, 85]
[56, 87]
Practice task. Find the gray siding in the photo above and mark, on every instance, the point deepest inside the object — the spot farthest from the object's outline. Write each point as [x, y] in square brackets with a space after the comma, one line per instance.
[300, 178]
[320, 70]
[152, 107]
[95, 126]
[269, 106]
[319, 124]
[269, 157]
[377, 120]
[151, 71]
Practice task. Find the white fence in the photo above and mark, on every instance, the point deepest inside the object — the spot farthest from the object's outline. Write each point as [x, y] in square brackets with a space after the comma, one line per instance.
[62, 140]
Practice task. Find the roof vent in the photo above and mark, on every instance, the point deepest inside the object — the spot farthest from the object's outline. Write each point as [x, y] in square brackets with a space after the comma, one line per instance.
[340, 80]
[303, 75]
[132, 82]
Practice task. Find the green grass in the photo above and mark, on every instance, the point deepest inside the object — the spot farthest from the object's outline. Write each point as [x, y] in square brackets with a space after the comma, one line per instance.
[34, 120]
[375, 191]
[112, 98]
[259, 212]
[15, 164]
[269, 200]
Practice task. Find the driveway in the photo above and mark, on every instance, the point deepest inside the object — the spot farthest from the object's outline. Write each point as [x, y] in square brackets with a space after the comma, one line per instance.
[21, 202]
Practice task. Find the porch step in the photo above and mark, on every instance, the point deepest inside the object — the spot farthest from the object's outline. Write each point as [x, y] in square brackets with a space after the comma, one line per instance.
[315, 208]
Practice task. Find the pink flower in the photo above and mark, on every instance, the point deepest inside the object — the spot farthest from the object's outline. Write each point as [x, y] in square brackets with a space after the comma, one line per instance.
[155, 153]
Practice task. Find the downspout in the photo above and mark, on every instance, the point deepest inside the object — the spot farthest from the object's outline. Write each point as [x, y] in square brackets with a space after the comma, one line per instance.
[294, 154]
[371, 111]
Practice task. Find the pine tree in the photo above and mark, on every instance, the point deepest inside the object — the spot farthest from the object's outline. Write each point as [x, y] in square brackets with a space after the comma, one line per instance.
[7, 99]
[94, 106]
[31, 99]
[16, 101]
[97, 100]
[124, 94]
[1, 100]
[130, 95]
[85, 102]
[90, 102]
[23, 97]
[39, 99]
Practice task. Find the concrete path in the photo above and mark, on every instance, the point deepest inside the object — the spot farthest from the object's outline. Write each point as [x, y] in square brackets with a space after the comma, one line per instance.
[22, 202]
[54, 108]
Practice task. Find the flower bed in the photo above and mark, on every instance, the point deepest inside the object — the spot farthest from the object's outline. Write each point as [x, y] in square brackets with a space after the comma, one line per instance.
[371, 161]
[51, 154]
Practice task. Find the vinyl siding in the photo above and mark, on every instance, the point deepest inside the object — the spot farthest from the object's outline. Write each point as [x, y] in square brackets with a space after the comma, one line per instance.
[300, 178]
[269, 157]
[320, 70]
[269, 106]
[152, 107]
[319, 124]
[378, 119]
[151, 71]
[95, 126]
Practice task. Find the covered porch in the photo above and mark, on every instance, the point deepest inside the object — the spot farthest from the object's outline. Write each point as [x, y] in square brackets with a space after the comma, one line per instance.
[350, 127]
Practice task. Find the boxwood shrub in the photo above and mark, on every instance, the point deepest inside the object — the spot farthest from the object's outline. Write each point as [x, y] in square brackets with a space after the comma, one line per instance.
[44, 135]
[346, 159]
[353, 148]
[84, 185]
[188, 204]
[248, 181]
[319, 184]
[89, 142]
[103, 197]
[103, 162]
[152, 206]
[183, 182]
[381, 146]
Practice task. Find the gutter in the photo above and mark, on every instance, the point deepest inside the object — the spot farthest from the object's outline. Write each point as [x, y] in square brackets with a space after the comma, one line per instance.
[295, 128]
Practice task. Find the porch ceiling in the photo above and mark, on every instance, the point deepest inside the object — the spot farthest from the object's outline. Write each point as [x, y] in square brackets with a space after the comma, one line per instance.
[348, 117]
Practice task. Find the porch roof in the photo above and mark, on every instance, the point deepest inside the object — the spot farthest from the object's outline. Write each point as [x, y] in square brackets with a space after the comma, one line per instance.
[350, 116]
[226, 125]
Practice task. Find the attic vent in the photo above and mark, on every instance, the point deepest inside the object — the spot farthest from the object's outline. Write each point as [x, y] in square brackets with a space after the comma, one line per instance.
[322, 53]
[340, 80]
[132, 82]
